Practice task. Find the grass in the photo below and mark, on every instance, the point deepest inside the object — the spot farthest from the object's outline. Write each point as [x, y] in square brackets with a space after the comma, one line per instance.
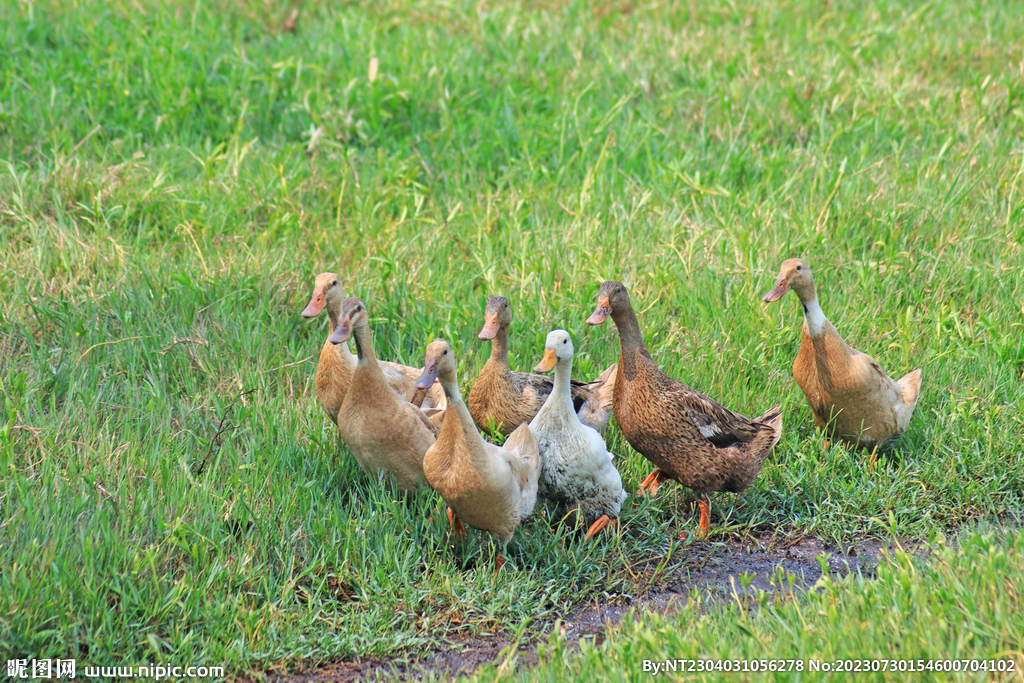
[954, 607]
[177, 173]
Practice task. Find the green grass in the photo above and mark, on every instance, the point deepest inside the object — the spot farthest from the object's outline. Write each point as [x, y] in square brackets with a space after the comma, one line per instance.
[182, 170]
[957, 606]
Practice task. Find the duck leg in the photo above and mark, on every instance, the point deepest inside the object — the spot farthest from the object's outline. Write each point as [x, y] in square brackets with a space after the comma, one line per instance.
[499, 561]
[458, 530]
[601, 523]
[652, 481]
[705, 516]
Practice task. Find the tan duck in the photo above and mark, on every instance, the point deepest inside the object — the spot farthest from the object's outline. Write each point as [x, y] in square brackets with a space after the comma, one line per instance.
[489, 487]
[686, 435]
[504, 399]
[336, 364]
[851, 397]
[384, 432]
[576, 467]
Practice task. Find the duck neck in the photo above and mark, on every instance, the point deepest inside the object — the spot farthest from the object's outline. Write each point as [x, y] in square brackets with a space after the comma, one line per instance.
[813, 315]
[631, 341]
[333, 313]
[451, 388]
[562, 391]
[499, 347]
[364, 345]
[457, 427]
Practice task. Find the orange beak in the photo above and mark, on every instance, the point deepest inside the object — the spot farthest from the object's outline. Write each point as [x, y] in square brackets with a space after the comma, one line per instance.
[342, 332]
[490, 330]
[547, 362]
[601, 313]
[780, 288]
[316, 304]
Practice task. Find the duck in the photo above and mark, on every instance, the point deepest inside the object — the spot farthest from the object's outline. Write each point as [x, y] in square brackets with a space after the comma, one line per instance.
[689, 437]
[501, 400]
[336, 363]
[489, 487]
[576, 467]
[385, 433]
[851, 397]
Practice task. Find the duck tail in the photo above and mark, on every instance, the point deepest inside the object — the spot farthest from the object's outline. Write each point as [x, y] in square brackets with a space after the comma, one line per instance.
[910, 388]
[523, 443]
[598, 407]
[772, 420]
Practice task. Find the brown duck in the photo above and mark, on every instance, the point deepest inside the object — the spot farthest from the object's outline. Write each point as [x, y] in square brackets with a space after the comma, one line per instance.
[336, 365]
[385, 433]
[492, 488]
[686, 435]
[851, 397]
[504, 399]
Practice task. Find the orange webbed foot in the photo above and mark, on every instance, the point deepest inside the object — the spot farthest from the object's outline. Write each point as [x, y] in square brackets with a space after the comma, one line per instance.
[601, 523]
[705, 517]
[651, 482]
[458, 530]
[499, 562]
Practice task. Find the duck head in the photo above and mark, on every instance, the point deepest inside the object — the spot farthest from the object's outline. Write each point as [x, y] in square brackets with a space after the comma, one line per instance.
[611, 297]
[439, 363]
[497, 314]
[353, 314]
[557, 348]
[326, 288]
[795, 274]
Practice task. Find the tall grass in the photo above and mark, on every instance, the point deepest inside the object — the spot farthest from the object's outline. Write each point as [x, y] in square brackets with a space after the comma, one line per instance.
[177, 173]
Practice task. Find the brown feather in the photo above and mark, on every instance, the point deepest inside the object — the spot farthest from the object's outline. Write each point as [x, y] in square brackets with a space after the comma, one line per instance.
[691, 438]
[851, 397]
[504, 399]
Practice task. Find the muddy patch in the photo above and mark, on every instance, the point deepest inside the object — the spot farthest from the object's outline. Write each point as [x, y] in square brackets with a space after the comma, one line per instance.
[735, 568]
[461, 657]
[720, 571]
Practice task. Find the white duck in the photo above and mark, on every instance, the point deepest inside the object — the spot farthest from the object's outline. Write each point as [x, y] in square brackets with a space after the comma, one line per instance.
[576, 467]
[489, 487]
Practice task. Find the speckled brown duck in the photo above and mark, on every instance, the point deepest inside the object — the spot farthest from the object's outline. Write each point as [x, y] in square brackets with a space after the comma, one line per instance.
[504, 399]
[336, 364]
[851, 397]
[687, 436]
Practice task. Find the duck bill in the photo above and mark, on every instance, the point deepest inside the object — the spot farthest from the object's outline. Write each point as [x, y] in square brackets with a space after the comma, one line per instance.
[601, 313]
[780, 288]
[548, 362]
[426, 380]
[490, 330]
[316, 304]
[342, 332]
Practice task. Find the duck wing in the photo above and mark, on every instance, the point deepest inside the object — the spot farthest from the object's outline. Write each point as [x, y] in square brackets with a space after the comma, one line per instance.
[523, 455]
[713, 421]
[534, 389]
[597, 408]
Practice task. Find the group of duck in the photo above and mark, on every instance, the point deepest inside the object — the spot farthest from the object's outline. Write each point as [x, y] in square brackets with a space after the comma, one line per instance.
[413, 423]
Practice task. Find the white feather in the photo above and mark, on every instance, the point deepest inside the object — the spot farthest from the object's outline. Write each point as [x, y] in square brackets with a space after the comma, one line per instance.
[814, 317]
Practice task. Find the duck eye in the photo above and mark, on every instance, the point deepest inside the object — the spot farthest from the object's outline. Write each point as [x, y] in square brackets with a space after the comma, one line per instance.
[445, 352]
[799, 267]
[565, 341]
